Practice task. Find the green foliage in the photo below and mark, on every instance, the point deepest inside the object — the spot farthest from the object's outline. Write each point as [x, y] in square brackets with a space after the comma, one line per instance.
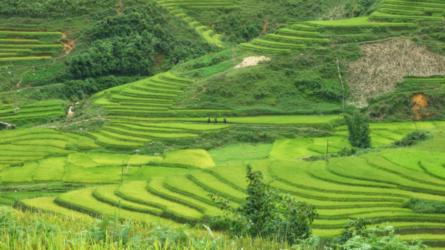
[26, 230]
[119, 55]
[359, 7]
[412, 139]
[426, 206]
[357, 236]
[266, 213]
[50, 8]
[253, 18]
[138, 42]
[109, 229]
[352, 228]
[358, 127]
[433, 36]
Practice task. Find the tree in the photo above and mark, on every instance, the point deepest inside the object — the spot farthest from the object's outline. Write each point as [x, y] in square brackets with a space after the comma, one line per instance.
[267, 213]
[358, 127]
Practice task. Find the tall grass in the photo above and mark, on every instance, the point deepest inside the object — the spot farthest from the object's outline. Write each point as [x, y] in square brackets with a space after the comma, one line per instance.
[42, 231]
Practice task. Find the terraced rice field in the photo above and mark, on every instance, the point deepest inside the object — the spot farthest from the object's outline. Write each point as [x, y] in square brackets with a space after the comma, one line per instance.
[41, 111]
[410, 11]
[135, 110]
[392, 18]
[140, 112]
[25, 46]
[374, 186]
[179, 9]
[27, 149]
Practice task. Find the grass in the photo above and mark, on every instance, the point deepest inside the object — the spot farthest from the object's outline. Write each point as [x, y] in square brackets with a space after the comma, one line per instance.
[240, 153]
[45, 231]
[193, 157]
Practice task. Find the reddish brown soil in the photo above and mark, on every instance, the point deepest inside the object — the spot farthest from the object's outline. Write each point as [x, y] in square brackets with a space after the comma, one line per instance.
[420, 105]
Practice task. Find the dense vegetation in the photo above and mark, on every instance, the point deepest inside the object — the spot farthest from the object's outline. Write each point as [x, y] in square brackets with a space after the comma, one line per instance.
[112, 43]
[45, 231]
[51, 8]
[138, 42]
[358, 127]
[252, 18]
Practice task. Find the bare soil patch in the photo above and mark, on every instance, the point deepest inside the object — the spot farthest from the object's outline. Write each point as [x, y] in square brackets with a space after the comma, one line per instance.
[420, 106]
[385, 64]
[252, 61]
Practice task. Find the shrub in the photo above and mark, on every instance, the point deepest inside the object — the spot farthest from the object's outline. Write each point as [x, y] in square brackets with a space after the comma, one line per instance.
[357, 235]
[412, 139]
[267, 213]
[425, 206]
[358, 127]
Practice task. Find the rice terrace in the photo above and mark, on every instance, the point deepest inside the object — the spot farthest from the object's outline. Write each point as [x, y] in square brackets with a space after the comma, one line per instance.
[222, 124]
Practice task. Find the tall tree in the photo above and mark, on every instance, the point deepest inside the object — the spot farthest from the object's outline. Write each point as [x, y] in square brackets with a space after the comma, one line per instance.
[358, 127]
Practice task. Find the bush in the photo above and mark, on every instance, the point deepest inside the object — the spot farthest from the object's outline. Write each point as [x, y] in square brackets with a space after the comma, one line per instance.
[267, 213]
[358, 127]
[425, 206]
[357, 236]
[412, 139]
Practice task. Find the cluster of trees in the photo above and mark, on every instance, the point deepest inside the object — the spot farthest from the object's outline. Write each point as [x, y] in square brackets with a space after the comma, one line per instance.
[118, 55]
[138, 42]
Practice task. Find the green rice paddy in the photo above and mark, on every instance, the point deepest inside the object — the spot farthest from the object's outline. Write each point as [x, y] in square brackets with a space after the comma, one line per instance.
[391, 18]
[381, 180]
[24, 46]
